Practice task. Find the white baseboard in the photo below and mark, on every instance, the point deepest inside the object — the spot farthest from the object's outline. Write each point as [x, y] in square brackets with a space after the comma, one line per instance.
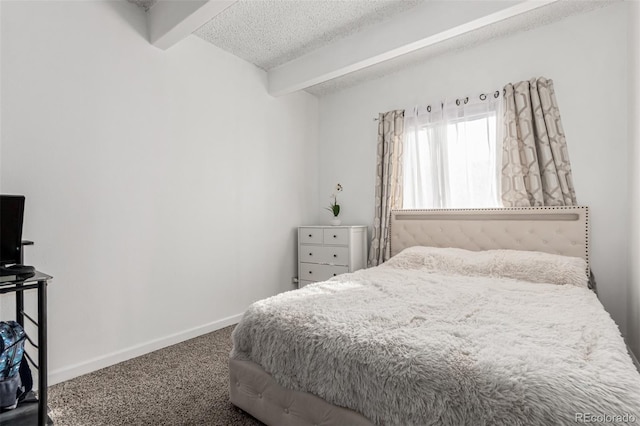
[69, 372]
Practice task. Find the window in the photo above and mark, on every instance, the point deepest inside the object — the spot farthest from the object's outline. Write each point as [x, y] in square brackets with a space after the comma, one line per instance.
[450, 156]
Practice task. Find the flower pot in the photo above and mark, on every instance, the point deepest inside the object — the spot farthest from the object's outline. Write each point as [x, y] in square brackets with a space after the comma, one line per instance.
[335, 221]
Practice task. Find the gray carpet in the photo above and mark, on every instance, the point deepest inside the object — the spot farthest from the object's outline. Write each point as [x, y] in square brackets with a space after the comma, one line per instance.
[184, 384]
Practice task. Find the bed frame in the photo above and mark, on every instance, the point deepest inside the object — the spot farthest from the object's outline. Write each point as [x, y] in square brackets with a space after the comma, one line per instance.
[557, 230]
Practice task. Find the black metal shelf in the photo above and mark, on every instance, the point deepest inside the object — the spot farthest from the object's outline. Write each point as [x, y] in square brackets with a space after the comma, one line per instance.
[33, 412]
[25, 414]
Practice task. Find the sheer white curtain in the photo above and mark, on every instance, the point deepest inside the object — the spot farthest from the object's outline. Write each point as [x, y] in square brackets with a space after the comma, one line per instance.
[451, 154]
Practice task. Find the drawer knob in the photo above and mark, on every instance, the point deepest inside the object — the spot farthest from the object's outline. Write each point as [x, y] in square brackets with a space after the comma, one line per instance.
[310, 235]
[310, 254]
[310, 272]
[334, 275]
[335, 255]
[335, 236]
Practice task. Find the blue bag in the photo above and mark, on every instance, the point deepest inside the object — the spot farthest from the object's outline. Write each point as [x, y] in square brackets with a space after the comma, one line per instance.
[12, 337]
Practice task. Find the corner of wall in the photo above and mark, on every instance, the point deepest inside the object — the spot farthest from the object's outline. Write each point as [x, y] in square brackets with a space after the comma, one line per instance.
[633, 300]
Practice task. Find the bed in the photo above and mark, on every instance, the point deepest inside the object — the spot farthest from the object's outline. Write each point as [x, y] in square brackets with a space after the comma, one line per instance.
[481, 317]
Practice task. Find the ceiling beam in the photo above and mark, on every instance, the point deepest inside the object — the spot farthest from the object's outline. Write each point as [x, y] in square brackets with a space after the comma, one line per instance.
[170, 21]
[420, 27]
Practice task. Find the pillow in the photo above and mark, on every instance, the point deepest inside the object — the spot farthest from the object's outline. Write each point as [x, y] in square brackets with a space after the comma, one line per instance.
[531, 266]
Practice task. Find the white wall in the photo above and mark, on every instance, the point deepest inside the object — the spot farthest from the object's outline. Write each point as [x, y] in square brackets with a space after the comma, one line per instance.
[633, 332]
[585, 56]
[163, 187]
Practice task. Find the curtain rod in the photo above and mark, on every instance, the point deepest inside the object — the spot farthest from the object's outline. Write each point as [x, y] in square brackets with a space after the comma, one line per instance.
[482, 97]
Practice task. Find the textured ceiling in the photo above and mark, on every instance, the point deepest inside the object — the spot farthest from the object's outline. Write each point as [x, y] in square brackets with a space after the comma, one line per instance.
[533, 19]
[269, 33]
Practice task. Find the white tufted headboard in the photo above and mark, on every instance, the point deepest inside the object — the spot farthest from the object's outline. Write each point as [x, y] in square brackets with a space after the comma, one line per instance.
[557, 230]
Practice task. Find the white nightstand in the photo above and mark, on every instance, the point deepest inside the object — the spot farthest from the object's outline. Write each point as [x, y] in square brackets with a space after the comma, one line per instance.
[327, 251]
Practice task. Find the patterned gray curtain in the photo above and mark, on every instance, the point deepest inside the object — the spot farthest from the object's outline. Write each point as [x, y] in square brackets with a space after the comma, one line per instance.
[388, 182]
[535, 162]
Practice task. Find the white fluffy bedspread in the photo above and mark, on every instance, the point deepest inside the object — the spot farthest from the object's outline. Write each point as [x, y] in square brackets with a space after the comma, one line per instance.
[403, 345]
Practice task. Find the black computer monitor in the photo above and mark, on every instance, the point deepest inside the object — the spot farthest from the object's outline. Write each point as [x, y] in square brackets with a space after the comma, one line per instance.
[11, 219]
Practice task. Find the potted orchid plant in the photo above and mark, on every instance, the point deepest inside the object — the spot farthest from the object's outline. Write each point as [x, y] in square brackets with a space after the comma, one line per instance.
[334, 207]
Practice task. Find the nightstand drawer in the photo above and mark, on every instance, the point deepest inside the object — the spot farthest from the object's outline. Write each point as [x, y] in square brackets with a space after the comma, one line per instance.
[316, 272]
[310, 236]
[327, 251]
[304, 283]
[336, 236]
[335, 270]
[324, 254]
